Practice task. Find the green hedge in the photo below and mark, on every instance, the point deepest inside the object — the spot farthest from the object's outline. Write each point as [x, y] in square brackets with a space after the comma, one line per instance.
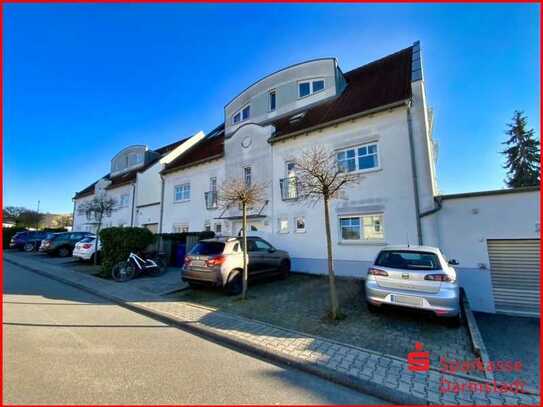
[117, 243]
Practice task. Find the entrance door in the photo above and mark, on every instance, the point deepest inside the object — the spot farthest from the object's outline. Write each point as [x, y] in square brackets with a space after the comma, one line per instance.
[514, 265]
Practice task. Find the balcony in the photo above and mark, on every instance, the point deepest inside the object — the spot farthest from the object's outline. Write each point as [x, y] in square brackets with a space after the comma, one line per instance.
[289, 188]
[211, 200]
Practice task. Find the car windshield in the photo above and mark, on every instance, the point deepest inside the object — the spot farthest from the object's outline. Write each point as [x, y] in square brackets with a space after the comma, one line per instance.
[406, 259]
[87, 240]
[207, 248]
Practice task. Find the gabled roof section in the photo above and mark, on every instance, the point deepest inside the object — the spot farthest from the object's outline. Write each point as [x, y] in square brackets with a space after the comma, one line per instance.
[130, 176]
[379, 83]
[210, 148]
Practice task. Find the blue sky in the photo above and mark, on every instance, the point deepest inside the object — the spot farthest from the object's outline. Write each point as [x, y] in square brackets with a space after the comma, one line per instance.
[83, 81]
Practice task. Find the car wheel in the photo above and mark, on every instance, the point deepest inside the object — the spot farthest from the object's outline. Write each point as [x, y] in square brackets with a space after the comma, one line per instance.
[28, 247]
[64, 252]
[284, 269]
[235, 285]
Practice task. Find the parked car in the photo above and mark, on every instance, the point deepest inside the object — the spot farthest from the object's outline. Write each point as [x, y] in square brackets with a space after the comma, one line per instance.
[416, 277]
[85, 249]
[27, 241]
[219, 262]
[62, 244]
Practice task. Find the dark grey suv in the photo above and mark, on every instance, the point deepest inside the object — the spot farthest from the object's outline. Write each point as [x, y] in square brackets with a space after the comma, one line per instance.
[219, 262]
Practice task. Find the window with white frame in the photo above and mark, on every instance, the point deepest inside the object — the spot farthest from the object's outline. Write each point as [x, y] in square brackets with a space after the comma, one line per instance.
[218, 228]
[272, 97]
[124, 200]
[283, 225]
[361, 227]
[180, 228]
[182, 192]
[241, 115]
[213, 184]
[307, 88]
[360, 158]
[299, 223]
[247, 176]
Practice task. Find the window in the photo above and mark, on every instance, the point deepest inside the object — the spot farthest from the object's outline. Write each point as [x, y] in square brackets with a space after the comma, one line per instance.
[300, 224]
[365, 227]
[241, 115]
[407, 259]
[261, 246]
[182, 192]
[207, 228]
[213, 184]
[133, 159]
[307, 88]
[283, 225]
[124, 200]
[358, 158]
[218, 228]
[272, 96]
[247, 176]
[180, 228]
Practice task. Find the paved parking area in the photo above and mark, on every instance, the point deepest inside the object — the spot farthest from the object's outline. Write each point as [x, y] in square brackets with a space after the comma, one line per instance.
[511, 338]
[301, 303]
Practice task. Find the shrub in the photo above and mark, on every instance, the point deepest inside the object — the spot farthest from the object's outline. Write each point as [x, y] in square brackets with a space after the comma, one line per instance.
[117, 243]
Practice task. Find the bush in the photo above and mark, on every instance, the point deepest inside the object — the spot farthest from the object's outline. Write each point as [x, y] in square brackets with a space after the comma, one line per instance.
[117, 243]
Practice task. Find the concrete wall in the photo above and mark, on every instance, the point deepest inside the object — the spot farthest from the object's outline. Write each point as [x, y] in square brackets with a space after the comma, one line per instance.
[464, 226]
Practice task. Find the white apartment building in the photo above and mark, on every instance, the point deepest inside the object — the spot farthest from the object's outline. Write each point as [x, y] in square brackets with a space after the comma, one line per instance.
[376, 120]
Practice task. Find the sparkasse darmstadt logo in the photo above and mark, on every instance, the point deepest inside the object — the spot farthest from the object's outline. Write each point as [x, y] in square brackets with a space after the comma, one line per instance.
[419, 361]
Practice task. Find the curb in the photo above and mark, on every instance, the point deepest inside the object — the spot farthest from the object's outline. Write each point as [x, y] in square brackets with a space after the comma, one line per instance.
[366, 386]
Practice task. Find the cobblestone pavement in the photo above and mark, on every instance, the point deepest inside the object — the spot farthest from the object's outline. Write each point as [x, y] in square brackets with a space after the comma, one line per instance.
[301, 303]
[511, 338]
[386, 377]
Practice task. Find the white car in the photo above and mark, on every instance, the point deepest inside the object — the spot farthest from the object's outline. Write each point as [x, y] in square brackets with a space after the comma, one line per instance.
[85, 248]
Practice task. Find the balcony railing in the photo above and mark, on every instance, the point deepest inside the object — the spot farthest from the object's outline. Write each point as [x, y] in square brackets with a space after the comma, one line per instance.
[290, 188]
[211, 200]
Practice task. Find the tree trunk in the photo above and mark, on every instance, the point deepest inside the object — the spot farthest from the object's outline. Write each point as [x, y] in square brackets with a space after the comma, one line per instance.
[331, 275]
[245, 255]
[98, 227]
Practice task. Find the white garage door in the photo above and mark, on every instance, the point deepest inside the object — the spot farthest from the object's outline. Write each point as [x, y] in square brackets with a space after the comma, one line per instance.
[514, 265]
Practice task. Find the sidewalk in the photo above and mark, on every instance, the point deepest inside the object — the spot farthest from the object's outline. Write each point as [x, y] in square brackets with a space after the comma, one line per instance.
[384, 376]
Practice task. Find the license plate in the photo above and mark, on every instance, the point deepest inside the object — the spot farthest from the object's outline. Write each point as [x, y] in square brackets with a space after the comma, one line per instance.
[198, 263]
[407, 300]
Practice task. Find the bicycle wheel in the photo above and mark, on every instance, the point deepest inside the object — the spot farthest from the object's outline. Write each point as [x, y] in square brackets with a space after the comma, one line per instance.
[161, 267]
[123, 271]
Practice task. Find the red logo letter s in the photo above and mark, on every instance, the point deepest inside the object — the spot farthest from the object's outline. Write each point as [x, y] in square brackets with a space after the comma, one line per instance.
[418, 361]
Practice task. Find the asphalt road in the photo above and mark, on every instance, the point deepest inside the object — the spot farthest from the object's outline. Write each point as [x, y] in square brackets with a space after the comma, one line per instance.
[65, 346]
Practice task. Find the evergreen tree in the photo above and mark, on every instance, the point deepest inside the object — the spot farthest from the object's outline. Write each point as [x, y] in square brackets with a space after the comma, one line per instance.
[522, 154]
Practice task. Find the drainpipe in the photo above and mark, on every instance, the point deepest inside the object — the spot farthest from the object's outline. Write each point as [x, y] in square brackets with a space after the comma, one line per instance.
[414, 172]
[161, 203]
[133, 203]
[73, 215]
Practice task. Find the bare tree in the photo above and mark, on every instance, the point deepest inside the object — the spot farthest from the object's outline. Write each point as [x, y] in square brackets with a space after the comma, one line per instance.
[98, 207]
[239, 192]
[319, 177]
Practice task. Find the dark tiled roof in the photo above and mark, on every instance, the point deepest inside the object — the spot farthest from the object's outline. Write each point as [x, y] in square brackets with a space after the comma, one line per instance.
[209, 148]
[376, 84]
[86, 191]
[166, 149]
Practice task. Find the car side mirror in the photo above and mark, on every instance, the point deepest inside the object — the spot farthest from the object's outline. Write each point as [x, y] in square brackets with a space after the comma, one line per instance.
[271, 250]
[453, 262]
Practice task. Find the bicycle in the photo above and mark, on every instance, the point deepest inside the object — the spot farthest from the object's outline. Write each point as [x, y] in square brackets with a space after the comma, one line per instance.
[136, 265]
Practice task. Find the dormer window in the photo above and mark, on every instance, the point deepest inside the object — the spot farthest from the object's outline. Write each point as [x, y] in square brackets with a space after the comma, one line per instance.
[272, 98]
[241, 115]
[307, 88]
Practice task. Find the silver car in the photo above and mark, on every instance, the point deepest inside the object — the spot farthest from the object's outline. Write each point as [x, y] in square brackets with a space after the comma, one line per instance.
[219, 262]
[416, 277]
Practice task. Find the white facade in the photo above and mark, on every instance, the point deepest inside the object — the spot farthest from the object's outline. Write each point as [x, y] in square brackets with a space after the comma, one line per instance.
[467, 223]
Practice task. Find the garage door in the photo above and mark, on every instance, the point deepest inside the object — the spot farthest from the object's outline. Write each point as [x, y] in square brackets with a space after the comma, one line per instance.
[514, 266]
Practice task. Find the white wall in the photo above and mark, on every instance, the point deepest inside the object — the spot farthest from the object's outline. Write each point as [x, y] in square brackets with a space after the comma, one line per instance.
[388, 190]
[464, 226]
[192, 213]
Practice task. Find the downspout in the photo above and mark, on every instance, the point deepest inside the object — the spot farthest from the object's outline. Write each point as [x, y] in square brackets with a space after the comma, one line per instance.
[73, 215]
[133, 204]
[161, 203]
[414, 174]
